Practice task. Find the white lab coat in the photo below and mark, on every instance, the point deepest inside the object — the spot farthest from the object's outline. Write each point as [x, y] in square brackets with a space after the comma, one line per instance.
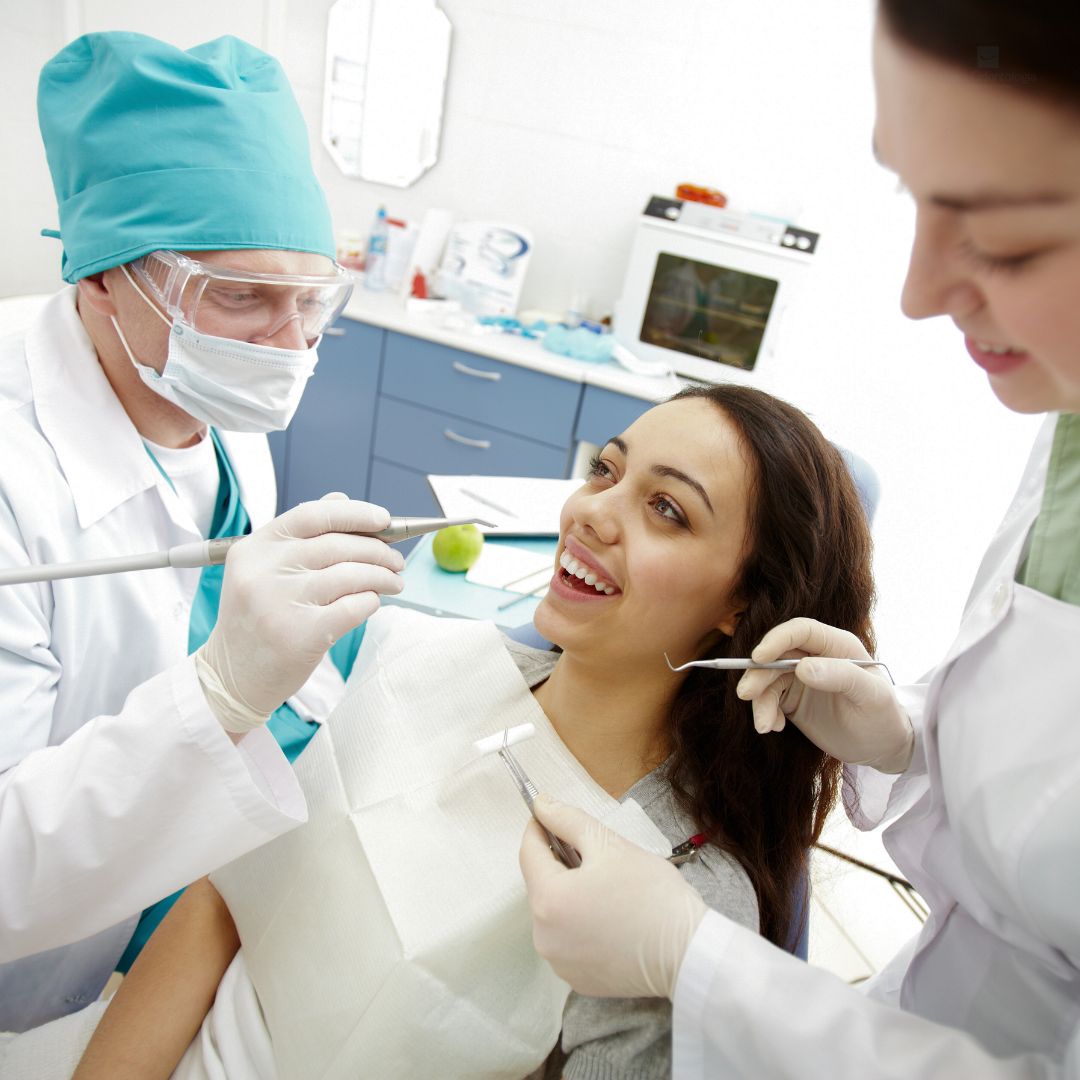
[117, 784]
[988, 828]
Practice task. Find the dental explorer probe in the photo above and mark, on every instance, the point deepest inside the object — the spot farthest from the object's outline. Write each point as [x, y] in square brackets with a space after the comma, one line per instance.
[563, 851]
[730, 663]
[207, 553]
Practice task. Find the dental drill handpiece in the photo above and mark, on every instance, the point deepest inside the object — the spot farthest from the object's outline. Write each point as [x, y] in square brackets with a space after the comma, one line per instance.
[206, 553]
[399, 530]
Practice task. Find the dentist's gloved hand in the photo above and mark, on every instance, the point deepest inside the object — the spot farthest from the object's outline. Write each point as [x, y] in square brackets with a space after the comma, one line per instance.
[290, 590]
[617, 926]
[849, 712]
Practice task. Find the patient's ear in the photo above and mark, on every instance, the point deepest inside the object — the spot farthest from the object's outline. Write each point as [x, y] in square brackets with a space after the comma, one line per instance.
[730, 619]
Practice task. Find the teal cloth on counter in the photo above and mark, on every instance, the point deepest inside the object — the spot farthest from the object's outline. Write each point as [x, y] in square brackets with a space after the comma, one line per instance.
[579, 343]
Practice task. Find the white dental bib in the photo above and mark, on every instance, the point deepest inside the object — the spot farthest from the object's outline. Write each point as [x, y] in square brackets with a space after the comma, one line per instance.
[390, 935]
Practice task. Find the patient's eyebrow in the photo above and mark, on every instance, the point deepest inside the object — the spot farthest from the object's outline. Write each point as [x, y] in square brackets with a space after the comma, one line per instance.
[998, 200]
[666, 470]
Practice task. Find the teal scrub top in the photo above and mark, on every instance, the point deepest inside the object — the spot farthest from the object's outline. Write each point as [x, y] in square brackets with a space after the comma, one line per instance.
[1052, 565]
[288, 728]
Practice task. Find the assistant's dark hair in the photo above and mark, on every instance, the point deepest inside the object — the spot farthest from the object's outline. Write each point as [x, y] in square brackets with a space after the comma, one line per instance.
[1037, 42]
[764, 798]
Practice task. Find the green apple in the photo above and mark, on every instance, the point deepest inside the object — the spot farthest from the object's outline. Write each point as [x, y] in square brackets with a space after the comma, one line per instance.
[457, 547]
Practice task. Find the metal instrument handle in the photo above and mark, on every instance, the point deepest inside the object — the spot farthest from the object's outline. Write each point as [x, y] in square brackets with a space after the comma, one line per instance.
[566, 854]
[476, 373]
[334, 331]
[476, 444]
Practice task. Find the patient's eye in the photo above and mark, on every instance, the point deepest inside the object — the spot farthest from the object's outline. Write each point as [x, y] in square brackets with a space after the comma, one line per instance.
[668, 510]
[598, 467]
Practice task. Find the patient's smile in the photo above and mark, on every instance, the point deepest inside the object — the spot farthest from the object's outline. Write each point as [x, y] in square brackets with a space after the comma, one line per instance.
[575, 571]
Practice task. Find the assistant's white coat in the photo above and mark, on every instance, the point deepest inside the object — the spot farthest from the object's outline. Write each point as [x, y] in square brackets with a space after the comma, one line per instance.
[117, 784]
[988, 829]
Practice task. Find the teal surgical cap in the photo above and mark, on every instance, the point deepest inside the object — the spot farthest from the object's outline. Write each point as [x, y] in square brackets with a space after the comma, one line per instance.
[153, 147]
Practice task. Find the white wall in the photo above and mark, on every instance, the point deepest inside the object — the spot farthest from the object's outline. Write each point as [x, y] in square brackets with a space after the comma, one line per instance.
[564, 115]
[29, 35]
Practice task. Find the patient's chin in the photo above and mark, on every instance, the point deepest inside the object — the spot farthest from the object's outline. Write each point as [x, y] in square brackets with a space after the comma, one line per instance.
[548, 623]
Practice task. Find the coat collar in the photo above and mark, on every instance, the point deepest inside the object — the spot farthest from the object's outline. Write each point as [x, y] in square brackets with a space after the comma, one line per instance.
[96, 445]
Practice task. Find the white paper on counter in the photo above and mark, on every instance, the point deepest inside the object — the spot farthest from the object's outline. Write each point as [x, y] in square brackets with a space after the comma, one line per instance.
[501, 564]
[516, 505]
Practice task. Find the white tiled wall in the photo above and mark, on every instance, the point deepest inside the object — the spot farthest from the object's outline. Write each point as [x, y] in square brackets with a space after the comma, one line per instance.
[29, 35]
[563, 116]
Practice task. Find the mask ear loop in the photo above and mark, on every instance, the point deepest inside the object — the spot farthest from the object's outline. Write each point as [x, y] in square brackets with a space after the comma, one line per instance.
[138, 365]
[153, 307]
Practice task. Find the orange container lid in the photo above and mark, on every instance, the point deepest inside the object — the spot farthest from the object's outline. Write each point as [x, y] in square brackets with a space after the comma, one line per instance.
[697, 193]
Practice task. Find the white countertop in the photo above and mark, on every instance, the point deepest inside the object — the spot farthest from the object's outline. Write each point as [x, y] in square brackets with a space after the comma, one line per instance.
[387, 310]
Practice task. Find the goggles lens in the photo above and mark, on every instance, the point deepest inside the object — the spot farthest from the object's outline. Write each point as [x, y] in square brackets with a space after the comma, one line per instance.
[245, 306]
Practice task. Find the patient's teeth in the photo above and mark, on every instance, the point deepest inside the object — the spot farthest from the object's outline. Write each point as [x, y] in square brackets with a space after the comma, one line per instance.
[997, 350]
[584, 573]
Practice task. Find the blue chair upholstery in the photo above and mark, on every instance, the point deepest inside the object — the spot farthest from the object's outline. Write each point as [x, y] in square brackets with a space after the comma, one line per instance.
[866, 481]
[799, 943]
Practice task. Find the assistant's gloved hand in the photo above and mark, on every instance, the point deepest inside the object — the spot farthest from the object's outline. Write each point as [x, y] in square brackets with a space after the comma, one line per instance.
[849, 712]
[290, 590]
[617, 926]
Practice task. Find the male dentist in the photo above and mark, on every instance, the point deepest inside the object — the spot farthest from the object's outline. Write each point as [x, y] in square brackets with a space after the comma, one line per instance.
[135, 753]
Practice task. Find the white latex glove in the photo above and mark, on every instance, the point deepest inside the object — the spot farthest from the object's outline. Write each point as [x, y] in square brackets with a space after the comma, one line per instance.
[617, 926]
[290, 590]
[850, 712]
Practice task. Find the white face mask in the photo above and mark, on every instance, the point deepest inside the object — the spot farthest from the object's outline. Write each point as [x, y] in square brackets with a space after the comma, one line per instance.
[232, 385]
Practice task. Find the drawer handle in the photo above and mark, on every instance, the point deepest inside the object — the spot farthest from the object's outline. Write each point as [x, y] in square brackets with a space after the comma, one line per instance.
[334, 331]
[476, 444]
[491, 376]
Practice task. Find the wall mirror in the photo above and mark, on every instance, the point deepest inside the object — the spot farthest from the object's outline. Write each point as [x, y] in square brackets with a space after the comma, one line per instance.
[386, 65]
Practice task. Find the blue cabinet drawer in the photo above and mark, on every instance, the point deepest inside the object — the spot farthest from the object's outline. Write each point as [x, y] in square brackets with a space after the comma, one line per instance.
[402, 491]
[473, 387]
[329, 440]
[435, 442]
[605, 413]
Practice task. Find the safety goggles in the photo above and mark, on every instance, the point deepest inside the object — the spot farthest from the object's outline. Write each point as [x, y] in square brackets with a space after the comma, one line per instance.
[241, 304]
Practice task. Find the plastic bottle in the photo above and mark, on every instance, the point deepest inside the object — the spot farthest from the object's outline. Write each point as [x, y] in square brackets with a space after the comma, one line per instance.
[375, 260]
[350, 250]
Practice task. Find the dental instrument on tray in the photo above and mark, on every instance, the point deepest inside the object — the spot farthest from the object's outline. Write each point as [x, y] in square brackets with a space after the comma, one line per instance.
[567, 855]
[488, 503]
[524, 577]
[731, 663]
[523, 596]
[206, 553]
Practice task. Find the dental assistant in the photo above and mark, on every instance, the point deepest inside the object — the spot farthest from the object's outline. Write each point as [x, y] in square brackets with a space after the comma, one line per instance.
[149, 718]
[978, 768]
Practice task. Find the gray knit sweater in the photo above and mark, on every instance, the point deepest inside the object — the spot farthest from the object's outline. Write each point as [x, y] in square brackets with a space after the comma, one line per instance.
[630, 1038]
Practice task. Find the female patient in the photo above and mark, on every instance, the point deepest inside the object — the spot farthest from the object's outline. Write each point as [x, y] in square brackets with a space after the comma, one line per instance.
[715, 516]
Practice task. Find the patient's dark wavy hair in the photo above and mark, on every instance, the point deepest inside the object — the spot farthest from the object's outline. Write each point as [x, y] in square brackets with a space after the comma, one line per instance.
[764, 798]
